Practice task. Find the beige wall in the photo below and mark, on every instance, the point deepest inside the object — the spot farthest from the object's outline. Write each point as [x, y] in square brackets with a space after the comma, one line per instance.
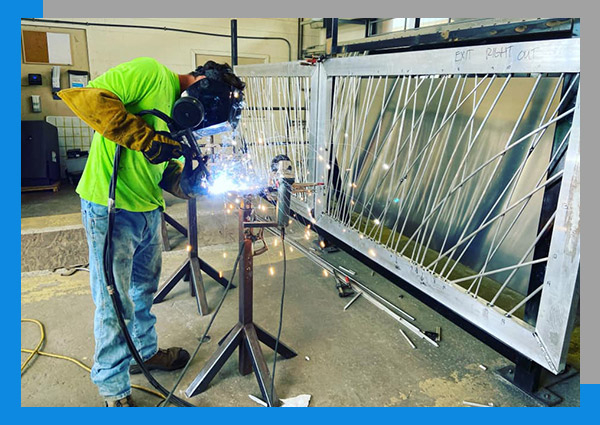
[108, 46]
[96, 49]
[51, 106]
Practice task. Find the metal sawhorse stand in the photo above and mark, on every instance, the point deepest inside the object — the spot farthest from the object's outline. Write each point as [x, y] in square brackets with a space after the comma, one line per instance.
[191, 268]
[245, 335]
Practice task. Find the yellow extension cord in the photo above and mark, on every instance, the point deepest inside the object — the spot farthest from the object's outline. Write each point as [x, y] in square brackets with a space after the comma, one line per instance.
[37, 351]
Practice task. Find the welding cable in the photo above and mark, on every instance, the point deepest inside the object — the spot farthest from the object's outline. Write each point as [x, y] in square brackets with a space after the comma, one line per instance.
[37, 351]
[212, 319]
[112, 287]
[280, 312]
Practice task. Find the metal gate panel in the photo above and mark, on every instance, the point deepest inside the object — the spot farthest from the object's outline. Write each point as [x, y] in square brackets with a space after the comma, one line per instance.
[437, 165]
[277, 120]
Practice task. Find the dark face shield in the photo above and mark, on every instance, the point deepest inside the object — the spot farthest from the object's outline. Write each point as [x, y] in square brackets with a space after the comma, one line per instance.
[209, 107]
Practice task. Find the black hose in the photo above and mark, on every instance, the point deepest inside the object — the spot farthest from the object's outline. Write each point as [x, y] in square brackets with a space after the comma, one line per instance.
[151, 27]
[280, 312]
[212, 319]
[112, 287]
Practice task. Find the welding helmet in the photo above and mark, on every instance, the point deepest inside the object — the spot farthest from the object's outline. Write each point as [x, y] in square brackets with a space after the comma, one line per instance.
[208, 107]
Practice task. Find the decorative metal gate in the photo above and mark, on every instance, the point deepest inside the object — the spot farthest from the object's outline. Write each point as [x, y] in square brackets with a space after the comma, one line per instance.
[457, 170]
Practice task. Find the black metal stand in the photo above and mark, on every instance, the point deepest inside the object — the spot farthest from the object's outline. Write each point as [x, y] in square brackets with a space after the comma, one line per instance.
[191, 269]
[167, 219]
[245, 335]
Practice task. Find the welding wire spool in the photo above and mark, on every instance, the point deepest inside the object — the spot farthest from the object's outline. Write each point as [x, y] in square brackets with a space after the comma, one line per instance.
[407, 339]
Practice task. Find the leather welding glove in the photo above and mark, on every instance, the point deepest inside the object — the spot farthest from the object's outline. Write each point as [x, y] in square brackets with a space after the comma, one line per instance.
[162, 148]
[193, 179]
[171, 179]
[105, 113]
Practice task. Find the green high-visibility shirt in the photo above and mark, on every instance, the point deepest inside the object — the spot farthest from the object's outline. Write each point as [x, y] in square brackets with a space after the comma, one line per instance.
[142, 83]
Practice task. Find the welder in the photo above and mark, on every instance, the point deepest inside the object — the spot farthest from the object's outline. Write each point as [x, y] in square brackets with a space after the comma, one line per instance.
[109, 105]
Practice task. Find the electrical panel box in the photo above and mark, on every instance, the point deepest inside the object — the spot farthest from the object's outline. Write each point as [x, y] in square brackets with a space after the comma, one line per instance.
[40, 159]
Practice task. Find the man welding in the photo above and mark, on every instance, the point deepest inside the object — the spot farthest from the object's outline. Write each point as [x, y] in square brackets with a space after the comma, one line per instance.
[109, 105]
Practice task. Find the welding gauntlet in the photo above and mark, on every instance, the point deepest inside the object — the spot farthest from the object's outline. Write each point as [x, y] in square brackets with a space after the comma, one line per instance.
[105, 113]
[193, 180]
[162, 148]
[171, 179]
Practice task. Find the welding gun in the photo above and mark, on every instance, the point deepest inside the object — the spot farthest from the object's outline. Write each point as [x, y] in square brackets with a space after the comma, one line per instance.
[283, 180]
[192, 180]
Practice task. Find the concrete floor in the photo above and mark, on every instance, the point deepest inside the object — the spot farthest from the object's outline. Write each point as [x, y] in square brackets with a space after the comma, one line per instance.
[355, 357]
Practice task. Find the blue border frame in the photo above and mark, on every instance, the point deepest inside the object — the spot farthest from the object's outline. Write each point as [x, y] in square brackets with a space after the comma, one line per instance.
[10, 216]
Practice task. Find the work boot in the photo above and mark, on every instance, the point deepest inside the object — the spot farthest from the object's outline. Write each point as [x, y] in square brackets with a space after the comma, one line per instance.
[171, 359]
[124, 402]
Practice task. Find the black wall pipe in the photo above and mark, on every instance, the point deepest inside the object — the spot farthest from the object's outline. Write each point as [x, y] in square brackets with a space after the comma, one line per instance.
[150, 27]
[234, 49]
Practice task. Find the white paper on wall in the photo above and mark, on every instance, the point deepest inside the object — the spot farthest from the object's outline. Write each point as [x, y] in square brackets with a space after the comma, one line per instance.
[59, 48]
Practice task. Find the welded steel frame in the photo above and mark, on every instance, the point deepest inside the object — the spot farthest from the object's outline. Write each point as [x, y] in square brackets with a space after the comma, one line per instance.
[546, 343]
[296, 69]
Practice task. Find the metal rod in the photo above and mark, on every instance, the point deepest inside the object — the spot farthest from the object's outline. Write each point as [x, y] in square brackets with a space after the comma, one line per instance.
[351, 272]
[460, 184]
[352, 300]
[462, 163]
[486, 224]
[470, 403]
[512, 187]
[537, 239]
[524, 300]
[407, 339]
[503, 269]
[494, 249]
[367, 292]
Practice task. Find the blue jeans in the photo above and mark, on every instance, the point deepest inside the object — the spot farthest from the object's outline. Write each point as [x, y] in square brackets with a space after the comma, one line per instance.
[137, 250]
